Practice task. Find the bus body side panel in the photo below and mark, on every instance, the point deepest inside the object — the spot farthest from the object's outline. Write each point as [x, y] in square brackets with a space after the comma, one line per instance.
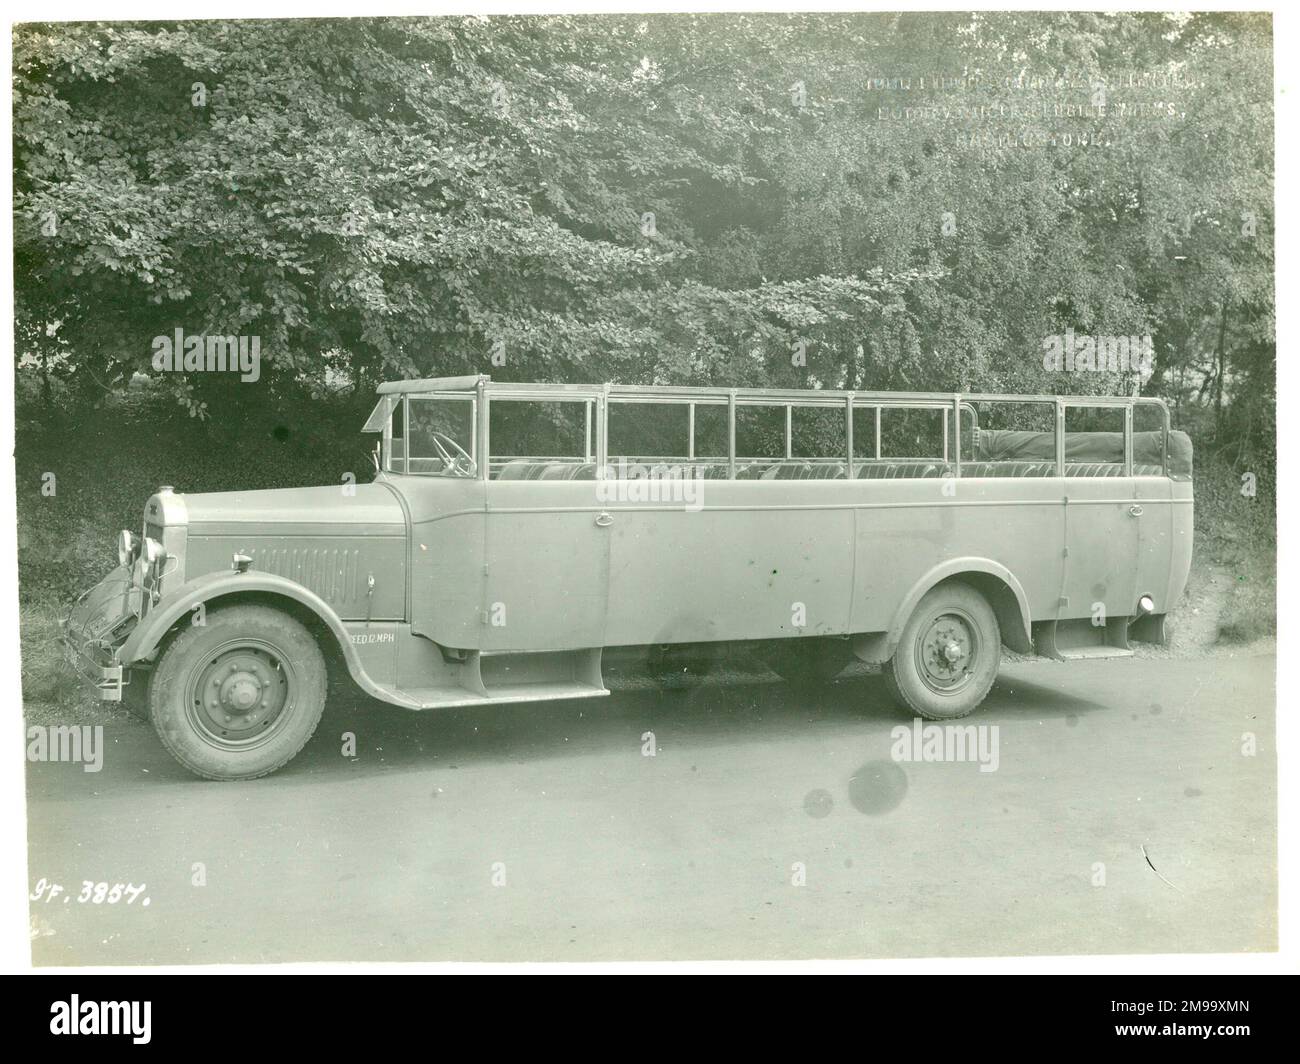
[756, 560]
[905, 529]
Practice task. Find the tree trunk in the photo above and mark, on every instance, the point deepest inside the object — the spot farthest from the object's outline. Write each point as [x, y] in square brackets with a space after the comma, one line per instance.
[1221, 361]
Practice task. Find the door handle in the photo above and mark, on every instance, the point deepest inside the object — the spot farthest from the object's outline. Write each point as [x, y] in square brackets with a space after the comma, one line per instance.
[604, 520]
[1135, 511]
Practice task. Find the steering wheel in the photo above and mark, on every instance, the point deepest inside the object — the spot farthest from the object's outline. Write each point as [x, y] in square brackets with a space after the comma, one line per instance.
[461, 463]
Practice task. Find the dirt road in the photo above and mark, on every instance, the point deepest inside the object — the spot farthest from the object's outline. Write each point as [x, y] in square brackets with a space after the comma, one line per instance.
[766, 824]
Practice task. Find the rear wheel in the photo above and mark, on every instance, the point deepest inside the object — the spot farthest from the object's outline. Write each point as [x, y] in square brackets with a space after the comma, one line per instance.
[238, 696]
[948, 655]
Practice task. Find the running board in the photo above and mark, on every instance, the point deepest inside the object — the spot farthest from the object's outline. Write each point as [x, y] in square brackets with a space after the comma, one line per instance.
[495, 678]
[1080, 638]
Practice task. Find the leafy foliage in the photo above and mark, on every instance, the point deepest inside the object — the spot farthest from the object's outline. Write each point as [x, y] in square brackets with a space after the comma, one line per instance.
[666, 198]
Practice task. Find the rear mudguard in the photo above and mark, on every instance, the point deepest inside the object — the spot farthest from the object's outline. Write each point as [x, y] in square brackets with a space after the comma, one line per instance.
[1013, 613]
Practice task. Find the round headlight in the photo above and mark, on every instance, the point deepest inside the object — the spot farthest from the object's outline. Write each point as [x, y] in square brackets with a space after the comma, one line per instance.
[153, 551]
[127, 545]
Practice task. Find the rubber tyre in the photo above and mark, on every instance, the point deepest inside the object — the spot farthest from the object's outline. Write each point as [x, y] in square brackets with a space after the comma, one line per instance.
[194, 649]
[903, 672]
[808, 662]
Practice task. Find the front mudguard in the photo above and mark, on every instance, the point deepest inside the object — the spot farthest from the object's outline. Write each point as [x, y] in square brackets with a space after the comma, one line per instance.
[214, 588]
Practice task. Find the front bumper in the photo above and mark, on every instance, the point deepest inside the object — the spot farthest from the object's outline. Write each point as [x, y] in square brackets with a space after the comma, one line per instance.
[105, 679]
[96, 626]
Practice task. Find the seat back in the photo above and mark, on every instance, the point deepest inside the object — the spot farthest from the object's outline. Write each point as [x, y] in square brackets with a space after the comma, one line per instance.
[887, 469]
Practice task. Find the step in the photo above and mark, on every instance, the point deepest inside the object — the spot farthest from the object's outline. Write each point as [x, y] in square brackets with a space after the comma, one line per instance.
[452, 695]
[440, 697]
[1075, 653]
[1076, 638]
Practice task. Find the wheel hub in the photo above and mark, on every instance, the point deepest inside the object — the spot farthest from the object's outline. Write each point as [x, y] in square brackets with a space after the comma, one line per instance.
[946, 652]
[239, 693]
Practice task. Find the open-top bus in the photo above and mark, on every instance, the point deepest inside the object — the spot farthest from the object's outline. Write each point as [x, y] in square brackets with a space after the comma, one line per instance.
[514, 533]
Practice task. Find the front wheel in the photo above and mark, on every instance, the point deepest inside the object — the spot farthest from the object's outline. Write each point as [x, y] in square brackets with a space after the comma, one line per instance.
[239, 695]
[948, 655]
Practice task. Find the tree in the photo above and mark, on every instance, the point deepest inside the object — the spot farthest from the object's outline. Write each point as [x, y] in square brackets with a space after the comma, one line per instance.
[913, 201]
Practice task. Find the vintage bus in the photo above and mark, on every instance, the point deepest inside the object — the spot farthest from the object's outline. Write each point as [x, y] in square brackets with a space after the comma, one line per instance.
[515, 535]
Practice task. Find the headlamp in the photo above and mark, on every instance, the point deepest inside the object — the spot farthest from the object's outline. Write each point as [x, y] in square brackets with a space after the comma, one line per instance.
[153, 552]
[127, 546]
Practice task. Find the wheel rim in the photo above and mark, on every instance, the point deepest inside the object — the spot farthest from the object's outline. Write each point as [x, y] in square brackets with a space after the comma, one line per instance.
[240, 694]
[947, 650]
